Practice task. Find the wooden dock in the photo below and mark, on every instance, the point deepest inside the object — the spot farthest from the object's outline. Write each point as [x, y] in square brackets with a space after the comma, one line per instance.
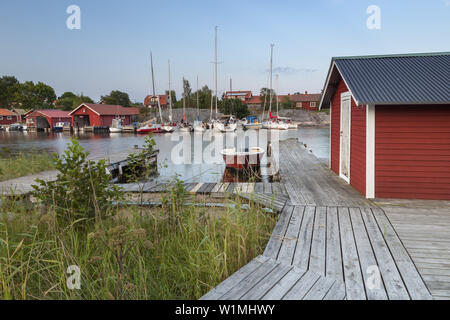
[331, 243]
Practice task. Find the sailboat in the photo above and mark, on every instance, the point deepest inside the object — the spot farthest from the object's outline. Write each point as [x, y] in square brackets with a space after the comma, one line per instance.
[152, 127]
[116, 125]
[169, 127]
[273, 123]
[198, 124]
[184, 126]
[227, 123]
[213, 124]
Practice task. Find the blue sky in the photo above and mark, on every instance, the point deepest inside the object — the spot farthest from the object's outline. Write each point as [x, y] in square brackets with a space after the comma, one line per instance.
[111, 51]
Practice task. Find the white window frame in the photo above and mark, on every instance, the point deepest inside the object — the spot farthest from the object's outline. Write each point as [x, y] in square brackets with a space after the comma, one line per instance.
[312, 104]
[346, 95]
[9, 118]
[370, 152]
[1, 117]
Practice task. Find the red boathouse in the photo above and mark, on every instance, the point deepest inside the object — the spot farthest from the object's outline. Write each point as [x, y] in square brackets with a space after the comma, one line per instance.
[390, 124]
[101, 115]
[47, 119]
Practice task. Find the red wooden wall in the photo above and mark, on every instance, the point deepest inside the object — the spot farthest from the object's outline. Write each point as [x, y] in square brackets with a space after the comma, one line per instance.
[100, 121]
[357, 139]
[5, 120]
[412, 156]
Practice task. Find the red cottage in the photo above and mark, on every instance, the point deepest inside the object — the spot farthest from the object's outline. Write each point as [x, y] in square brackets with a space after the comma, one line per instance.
[46, 119]
[101, 115]
[306, 101]
[7, 117]
[390, 124]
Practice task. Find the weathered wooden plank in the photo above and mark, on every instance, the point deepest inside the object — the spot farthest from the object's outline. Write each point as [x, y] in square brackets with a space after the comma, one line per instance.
[337, 292]
[318, 255]
[411, 277]
[275, 241]
[249, 282]
[301, 288]
[284, 285]
[374, 287]
[391, 277]
[354, 283]
[287, 249]
[234, 279]
[333, 252]
[301, 257]
[196, 188]
[261, 288]
[231, 187]
[216, 188]
[320, 289]
[251, 187]
[259, 187]
[268, 188]
[224, 187]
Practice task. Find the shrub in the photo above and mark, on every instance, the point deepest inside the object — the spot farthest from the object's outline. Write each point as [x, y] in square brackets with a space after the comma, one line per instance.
[82, 188]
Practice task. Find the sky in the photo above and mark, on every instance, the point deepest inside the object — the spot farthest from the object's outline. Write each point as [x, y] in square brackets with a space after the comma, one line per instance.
[111, 50]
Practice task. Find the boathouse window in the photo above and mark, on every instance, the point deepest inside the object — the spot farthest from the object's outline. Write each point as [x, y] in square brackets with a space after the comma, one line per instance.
[1, 117]
[9, 118]
[312, 104]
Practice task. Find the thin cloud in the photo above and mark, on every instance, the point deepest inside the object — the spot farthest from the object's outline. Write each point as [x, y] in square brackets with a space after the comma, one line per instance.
[291, 70]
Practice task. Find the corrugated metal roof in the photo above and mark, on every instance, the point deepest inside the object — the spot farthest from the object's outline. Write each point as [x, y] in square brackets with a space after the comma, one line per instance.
[394, 79]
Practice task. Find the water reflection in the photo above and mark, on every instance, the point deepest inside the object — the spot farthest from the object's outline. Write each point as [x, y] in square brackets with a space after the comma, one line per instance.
[202, 162]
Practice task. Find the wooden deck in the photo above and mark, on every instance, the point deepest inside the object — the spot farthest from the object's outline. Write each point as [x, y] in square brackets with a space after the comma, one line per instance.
[423, 227]
[329, 243]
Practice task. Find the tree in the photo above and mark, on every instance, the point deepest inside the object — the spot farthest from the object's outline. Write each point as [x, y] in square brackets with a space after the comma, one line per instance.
[287, 103]
[265, 97]
[35, 96]
[173, 96]
[234, 107]
[117, 97]
[8, 88]
[69, 101]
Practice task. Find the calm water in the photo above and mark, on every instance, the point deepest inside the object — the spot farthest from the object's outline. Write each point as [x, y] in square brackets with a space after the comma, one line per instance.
[199, 163]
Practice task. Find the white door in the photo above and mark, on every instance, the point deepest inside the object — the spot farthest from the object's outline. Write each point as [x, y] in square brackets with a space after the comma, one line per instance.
[344, 166]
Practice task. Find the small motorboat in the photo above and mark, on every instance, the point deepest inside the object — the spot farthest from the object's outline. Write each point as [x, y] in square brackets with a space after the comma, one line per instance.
[251, 123]
[15, 127]
[150, 128]
[249, 157]
[199, 126]
[226, 124]
[185, 127]
[169, 128]
[116, 126]
[288, 122]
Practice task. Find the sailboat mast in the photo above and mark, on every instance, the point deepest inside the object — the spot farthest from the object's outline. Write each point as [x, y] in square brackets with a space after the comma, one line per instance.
[198, 103]
[153, 85]
[215, 63]
[170, 97]
[276, 92]
[184, 101]
[271, 60]
[231, 93]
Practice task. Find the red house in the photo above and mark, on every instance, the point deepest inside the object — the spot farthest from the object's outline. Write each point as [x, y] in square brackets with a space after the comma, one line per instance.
[390, 124]
[306, 101]
[101, 115]
[7, 117]
[152, 101]
[47, 119]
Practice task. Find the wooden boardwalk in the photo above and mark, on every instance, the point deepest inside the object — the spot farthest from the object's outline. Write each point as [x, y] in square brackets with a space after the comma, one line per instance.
[329, 243]
[423, 227]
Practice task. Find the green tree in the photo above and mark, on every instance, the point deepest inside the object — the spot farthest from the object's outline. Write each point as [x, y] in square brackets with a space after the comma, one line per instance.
[234, 107]
[69, 101]
[117, 97]
[35, 96]
[8, 88]
[287, 103]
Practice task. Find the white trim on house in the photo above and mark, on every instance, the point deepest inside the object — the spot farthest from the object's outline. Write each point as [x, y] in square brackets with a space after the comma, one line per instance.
[86, 106]
[346, 95]
[370, 152]
[330, 71]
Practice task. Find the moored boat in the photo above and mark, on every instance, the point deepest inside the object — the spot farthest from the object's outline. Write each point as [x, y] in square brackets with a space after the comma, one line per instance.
[251, 123]
[249, 157]
[116, 126]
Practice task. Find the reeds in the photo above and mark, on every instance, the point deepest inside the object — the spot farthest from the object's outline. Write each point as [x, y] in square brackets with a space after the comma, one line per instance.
[173, 252]
[24, 164]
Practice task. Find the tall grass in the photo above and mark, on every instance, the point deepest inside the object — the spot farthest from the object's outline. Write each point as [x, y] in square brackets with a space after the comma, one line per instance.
[173, 252]
[24, 164]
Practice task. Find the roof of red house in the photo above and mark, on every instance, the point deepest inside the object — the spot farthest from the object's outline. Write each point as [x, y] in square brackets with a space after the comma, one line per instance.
[305, 97]
[162, 99]
[108, 110]
[6, 113]
[53, 113]
[254, 100]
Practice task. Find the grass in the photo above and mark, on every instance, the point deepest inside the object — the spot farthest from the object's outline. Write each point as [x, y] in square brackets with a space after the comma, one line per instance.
[24, 164]
[173, 252]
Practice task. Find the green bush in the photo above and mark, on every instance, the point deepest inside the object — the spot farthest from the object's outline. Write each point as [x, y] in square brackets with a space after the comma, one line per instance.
[82, 188]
